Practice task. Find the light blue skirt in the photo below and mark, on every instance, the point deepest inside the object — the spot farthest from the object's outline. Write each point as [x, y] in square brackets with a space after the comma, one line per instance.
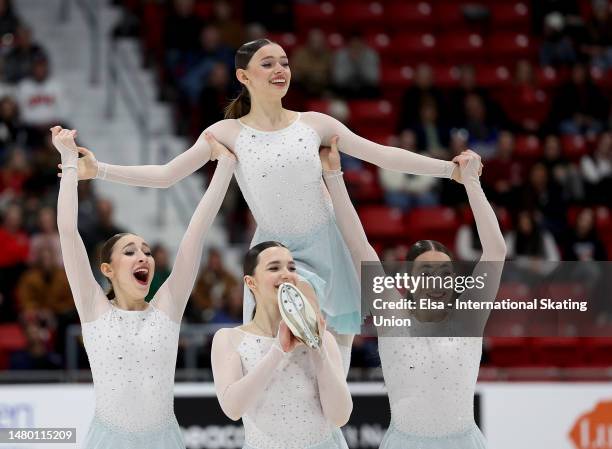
[336, 441]
[323, 259]
[470, 439]
[102, 436]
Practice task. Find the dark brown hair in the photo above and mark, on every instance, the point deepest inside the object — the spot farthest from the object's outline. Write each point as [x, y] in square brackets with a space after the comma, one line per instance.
[241, 105]
[422, 246]
[105, 257]
[251, 259]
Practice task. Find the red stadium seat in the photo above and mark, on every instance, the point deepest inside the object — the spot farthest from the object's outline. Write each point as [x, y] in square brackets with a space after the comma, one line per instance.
[314, 15]
[458, 47]
[445, 75]
[413, 47]
[448, 15]
[382, 222]
[603, 218]
[528, 147]
[286, 40]
[409, 15]
[493, 76]
[511, 15]
[548, 77]
[12, 337]
[574, 147]
[510, 46]
[318, 106]
[379, 41]
[203, 10]
[153, 26]
[371, 112]
[363, 185]
[361, 16]
[434, 223]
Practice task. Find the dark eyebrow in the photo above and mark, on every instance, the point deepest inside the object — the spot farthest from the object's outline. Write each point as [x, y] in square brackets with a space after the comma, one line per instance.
[278, 261]
[132, 243]
[272, 57]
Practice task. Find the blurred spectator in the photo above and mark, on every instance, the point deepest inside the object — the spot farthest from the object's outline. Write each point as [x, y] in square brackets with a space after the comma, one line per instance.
[481, 128]
[274, 15]
[423, 90]
[255, 31]
[597, 171]
[503, 173]
[525, 95]
[432, 136]
[579, 106]
[46, 237]
[311, 64]
[14, 174]
[8, 20]
[356, 69]
[43, 288]
[364, 352]
[103, 229]
[214, 96]
[212, 288]
[14, 241]
[557, 47]
[37, 355]
[19, 60]
[87, 206]
[562, 171]
[232, 31]
[41, 101]
[530, 240]
[406, 191]
[544, 196]
[230, 310]
[182, 28]
[598, 44]
[162, 269]
[583, 242]
[198, 67]
[10, 126]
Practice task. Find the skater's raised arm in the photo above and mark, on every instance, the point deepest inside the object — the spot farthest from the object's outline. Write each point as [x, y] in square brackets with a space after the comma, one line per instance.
[391, 158]
[173, 294]
[163, 176]
[89, 298]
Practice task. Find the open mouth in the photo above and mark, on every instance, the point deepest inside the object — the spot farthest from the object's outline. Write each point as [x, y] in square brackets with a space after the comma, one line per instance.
[142, 276]
[280, 82]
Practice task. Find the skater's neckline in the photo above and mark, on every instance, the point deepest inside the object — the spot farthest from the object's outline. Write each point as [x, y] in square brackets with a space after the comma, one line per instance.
[297, 118]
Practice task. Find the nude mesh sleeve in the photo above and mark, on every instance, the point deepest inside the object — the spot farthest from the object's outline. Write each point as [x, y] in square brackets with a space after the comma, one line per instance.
[391, 158]
[173, 294]
[89, 298]
[336, 401]
[163, 176]
[238, 392]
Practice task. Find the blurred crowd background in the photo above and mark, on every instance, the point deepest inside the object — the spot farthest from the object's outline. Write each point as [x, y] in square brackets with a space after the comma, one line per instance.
[526, 84]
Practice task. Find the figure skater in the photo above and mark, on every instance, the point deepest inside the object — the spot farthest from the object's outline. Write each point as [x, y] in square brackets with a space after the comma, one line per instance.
[288, 395]
[131, 345]
[279, 173]
[430, 380]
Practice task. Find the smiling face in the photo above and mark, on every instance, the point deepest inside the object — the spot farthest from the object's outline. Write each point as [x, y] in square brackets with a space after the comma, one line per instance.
[275, 266]
[131, 266]
[267, 74]
[433, 263]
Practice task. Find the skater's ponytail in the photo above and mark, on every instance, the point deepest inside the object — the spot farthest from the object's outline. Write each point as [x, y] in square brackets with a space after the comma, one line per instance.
[241, 105]
[105, 257]
[422, 246]
[251, 259]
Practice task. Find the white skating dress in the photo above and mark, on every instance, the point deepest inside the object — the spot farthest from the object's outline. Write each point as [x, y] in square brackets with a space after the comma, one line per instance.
[430, 380]
[279, 173]
[133, 353]
[286, 401]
